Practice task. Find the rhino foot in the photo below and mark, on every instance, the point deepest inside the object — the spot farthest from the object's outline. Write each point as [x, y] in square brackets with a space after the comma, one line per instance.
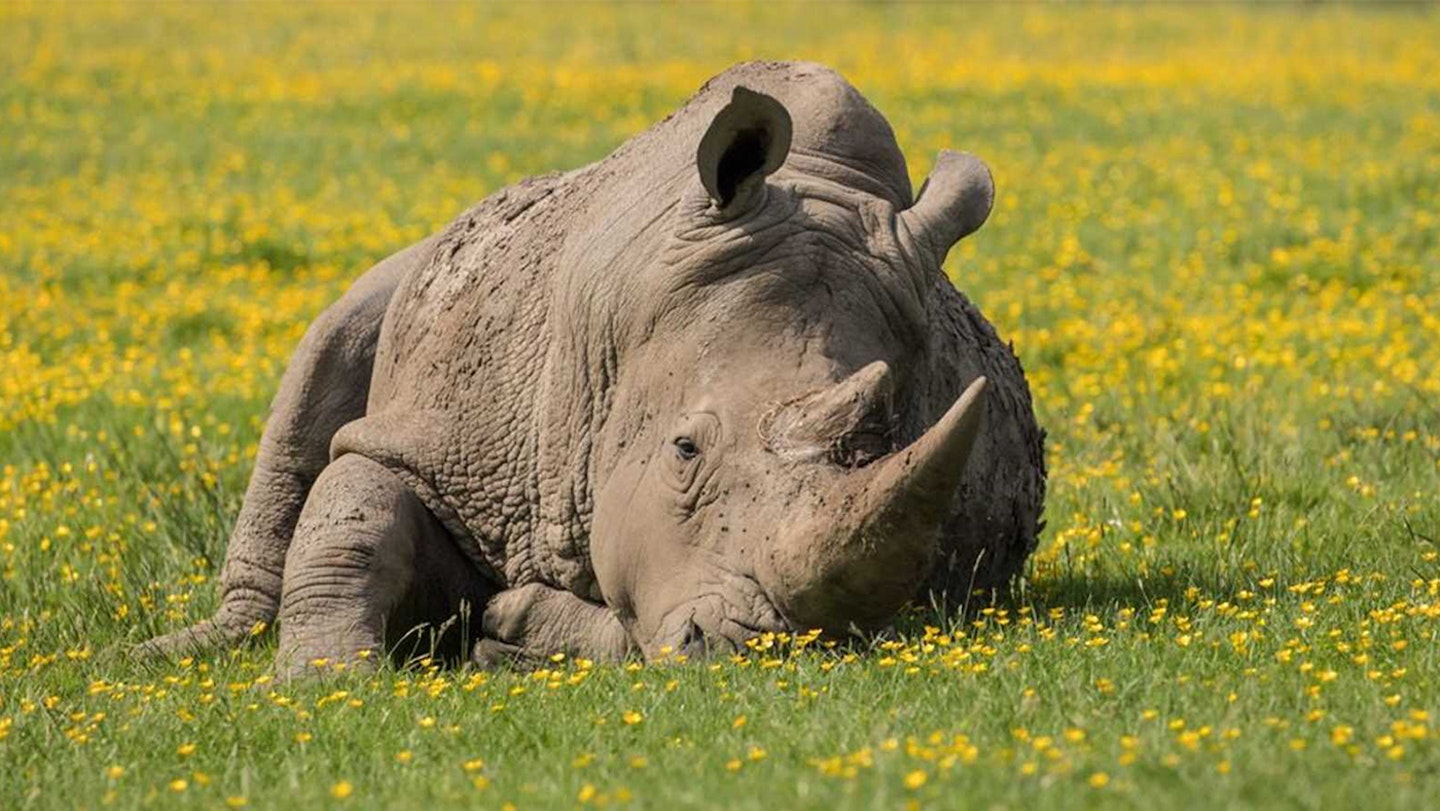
[524, 627]
[202, 638]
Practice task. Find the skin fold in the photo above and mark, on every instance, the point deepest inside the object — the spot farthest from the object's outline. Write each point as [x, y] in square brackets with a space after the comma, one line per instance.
[712, 385]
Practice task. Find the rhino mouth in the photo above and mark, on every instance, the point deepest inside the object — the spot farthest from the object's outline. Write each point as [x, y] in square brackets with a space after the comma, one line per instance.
[720, 620]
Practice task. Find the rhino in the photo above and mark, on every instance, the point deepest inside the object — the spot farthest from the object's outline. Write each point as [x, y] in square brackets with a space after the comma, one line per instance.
[712, 385]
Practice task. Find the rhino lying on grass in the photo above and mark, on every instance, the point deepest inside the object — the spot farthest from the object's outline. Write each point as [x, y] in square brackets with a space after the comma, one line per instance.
[712, 385]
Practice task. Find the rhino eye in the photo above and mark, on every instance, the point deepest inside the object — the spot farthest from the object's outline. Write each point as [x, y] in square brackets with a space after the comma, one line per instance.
[686, 448]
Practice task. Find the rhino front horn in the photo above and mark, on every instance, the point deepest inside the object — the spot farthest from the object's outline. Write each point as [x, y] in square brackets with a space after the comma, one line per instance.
[954, 201]
[863, 555]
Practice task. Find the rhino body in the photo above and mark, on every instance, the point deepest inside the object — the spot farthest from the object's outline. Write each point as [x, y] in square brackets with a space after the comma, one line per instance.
[708, 386]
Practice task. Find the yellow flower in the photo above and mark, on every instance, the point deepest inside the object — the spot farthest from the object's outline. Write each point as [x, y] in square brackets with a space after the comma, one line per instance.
[1098, 780]
[185, 749]
[179, 784]
[632, 717]
[115, 772]
[916, 779]
[236, 801]
[342, 789]
[404, 756]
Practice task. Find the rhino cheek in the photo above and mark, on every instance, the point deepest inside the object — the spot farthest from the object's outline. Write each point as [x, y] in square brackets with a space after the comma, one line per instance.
[614, 538]
[639, 552]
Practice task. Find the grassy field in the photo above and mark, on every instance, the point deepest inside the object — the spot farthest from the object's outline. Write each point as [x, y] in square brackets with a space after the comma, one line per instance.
[1216, 249]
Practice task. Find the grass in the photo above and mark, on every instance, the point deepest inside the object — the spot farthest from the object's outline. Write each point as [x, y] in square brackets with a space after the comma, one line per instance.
[1215, 250]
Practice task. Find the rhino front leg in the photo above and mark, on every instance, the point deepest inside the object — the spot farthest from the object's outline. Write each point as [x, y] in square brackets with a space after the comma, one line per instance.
[369, 564]
[325, 386]
[526, 625]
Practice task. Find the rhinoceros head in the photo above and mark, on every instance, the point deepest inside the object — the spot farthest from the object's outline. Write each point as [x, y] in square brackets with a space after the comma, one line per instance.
[755, 473]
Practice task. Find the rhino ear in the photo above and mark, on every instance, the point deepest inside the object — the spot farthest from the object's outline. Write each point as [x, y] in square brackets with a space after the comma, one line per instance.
[955, 200]
[748, 140]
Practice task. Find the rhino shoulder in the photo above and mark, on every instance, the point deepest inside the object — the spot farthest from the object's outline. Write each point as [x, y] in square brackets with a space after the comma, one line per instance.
[458, 368]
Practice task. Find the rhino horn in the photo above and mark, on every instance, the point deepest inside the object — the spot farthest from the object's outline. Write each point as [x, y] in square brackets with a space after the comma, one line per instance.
[863, 556]
[805, 429]
[954, 201]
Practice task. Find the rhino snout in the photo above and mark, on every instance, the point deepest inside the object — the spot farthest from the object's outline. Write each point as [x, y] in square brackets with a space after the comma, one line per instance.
[717, 621]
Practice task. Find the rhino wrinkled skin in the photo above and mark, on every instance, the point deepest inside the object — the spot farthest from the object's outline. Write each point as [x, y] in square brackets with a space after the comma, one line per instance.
[712, 385]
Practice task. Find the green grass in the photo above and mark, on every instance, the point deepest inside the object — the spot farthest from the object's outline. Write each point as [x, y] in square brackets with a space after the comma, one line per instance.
[1215, 249]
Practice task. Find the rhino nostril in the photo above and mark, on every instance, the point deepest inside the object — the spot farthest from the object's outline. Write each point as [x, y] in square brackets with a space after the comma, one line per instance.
[693, 634]
[693, 642]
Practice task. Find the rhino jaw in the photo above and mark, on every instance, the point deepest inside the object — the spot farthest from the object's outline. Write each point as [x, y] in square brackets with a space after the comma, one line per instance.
[864, 549]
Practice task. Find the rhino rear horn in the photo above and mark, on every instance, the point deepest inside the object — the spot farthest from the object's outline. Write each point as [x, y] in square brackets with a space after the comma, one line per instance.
[748, 140]
[954, 202]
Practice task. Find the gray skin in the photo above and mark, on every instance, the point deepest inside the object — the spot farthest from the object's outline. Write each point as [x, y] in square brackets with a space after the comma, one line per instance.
[712, 385]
